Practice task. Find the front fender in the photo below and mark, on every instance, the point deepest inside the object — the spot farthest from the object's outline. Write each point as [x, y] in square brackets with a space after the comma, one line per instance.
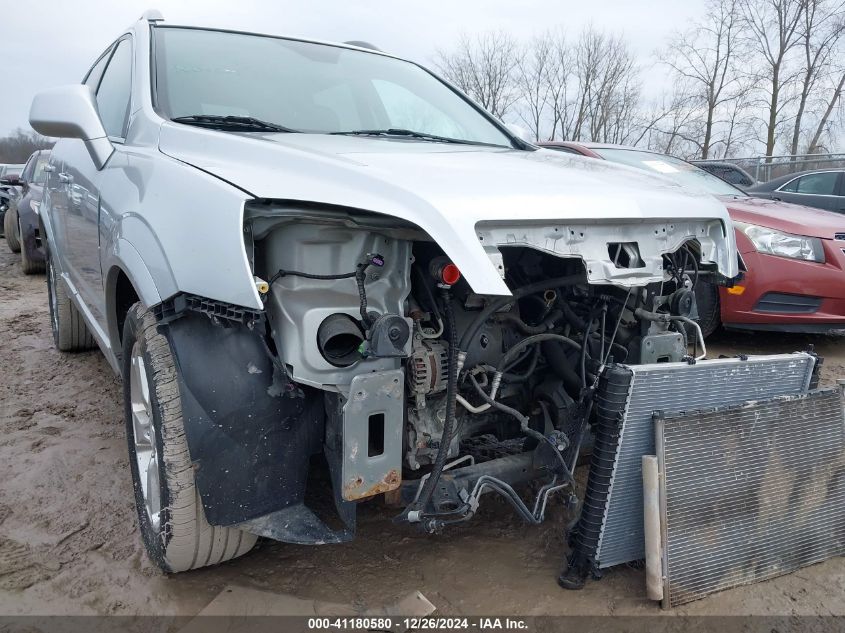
[124, 258]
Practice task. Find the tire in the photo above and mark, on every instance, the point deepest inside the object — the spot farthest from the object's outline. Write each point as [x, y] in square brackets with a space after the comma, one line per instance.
[170, 513]
[29, 266]
[70, 334]
[10, 228]
[709, 307]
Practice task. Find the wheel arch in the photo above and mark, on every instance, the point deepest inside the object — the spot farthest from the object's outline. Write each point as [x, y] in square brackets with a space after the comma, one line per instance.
[127, 281]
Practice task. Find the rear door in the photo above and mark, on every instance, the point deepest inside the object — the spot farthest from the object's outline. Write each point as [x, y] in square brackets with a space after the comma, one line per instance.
[819, 189]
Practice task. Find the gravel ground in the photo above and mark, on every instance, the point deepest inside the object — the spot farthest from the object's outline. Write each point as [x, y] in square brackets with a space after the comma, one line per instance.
[69, 541]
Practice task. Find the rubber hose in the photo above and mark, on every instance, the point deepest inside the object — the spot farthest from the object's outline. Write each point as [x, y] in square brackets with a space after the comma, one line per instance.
[524, 421]
[561, 365]
[536, 338]
[499, 303]
[521, 325]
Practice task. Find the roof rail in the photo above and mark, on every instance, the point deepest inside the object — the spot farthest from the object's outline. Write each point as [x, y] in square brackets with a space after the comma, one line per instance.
[152, 15]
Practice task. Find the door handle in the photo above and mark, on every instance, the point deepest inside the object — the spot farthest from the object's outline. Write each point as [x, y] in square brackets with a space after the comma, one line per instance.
[63, 177]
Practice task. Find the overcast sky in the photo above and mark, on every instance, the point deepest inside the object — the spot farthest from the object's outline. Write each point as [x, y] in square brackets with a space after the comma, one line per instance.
[52, 42]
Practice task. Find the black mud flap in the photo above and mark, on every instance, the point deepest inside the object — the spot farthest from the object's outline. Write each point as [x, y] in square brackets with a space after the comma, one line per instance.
[251, 432]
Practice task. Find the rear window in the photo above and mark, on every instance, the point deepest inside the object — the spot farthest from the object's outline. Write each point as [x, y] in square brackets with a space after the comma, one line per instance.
[822, 184]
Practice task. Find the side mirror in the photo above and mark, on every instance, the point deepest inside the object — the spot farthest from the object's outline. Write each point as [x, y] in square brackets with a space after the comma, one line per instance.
[71, 112]
[14, 181]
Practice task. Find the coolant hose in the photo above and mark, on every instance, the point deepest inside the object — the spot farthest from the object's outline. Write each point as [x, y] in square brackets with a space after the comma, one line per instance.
[454, 367]
[499, 303]
[563, 367]
[509, 355]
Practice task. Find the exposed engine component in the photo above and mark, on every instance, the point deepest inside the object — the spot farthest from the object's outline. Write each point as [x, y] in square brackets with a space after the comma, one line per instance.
[339, 339]
[334, 270]
[388, 337]
[495, 390]
[427, 367]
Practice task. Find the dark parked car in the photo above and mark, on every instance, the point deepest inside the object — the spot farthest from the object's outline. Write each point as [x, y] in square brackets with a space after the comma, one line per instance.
[821, 188]
[728, 172]
[33, 178]
[9, 193]
[793, 255]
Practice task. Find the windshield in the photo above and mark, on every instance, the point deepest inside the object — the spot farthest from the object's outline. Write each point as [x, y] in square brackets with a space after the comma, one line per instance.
[306, 87]
[680, 171]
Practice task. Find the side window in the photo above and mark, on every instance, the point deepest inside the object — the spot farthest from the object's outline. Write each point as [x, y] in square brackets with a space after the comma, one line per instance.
[115, 91]
[39, 176]
[92, 79]
[26, 174]
[823, 184]
[790, 187]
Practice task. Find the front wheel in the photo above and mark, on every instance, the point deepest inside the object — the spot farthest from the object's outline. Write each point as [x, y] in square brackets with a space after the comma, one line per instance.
[170, 513]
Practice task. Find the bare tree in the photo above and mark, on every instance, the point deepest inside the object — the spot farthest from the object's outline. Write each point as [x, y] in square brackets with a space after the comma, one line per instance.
[560, 82]
[767, 71]
[703, 61]
[533, 70]
[484, 68]
[17, 147]
[773, 29]
[822, 28]
[613, 95]
[835, 99]
[602, 88]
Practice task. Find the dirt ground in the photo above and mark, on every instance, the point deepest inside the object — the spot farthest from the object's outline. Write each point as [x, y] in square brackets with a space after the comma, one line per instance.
[69, 542]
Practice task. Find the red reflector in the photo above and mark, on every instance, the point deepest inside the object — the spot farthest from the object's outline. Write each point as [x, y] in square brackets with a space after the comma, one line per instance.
[450, 274]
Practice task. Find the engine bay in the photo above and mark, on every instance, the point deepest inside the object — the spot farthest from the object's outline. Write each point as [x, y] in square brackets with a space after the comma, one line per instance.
[435, 394]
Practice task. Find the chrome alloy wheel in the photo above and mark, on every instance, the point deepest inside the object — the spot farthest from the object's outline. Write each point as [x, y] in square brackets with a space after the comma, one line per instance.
[146, 450]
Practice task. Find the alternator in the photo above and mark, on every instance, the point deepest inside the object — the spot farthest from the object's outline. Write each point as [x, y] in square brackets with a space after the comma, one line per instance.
[428, 367]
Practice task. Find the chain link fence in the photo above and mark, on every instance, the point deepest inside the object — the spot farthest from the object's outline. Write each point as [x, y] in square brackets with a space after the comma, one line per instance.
[764, 168]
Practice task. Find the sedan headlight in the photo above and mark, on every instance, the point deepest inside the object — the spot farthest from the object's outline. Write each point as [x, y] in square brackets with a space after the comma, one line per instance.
[773, 242]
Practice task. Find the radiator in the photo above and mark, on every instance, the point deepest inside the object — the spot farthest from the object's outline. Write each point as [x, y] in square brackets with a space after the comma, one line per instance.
[610, 529]
[750, 492]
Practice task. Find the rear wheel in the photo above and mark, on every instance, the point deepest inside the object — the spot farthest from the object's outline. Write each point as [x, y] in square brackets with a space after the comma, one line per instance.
[170, 513]
[70, 334]
[709, 307]
[10, 229]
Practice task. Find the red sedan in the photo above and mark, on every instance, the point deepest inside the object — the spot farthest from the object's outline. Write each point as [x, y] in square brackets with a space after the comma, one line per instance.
[793, 256]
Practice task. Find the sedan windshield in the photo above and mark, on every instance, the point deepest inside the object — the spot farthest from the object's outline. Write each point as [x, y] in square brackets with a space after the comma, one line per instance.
[680, 171]
[245, 82]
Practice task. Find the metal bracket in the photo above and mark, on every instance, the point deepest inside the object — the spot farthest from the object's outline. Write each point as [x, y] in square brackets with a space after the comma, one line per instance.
[372, 434]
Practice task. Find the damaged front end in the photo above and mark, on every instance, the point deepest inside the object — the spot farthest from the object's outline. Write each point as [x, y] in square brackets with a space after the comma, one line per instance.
[375, 366]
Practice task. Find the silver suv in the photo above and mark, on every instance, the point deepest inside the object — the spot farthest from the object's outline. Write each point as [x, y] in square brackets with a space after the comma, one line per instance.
[325, 274]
